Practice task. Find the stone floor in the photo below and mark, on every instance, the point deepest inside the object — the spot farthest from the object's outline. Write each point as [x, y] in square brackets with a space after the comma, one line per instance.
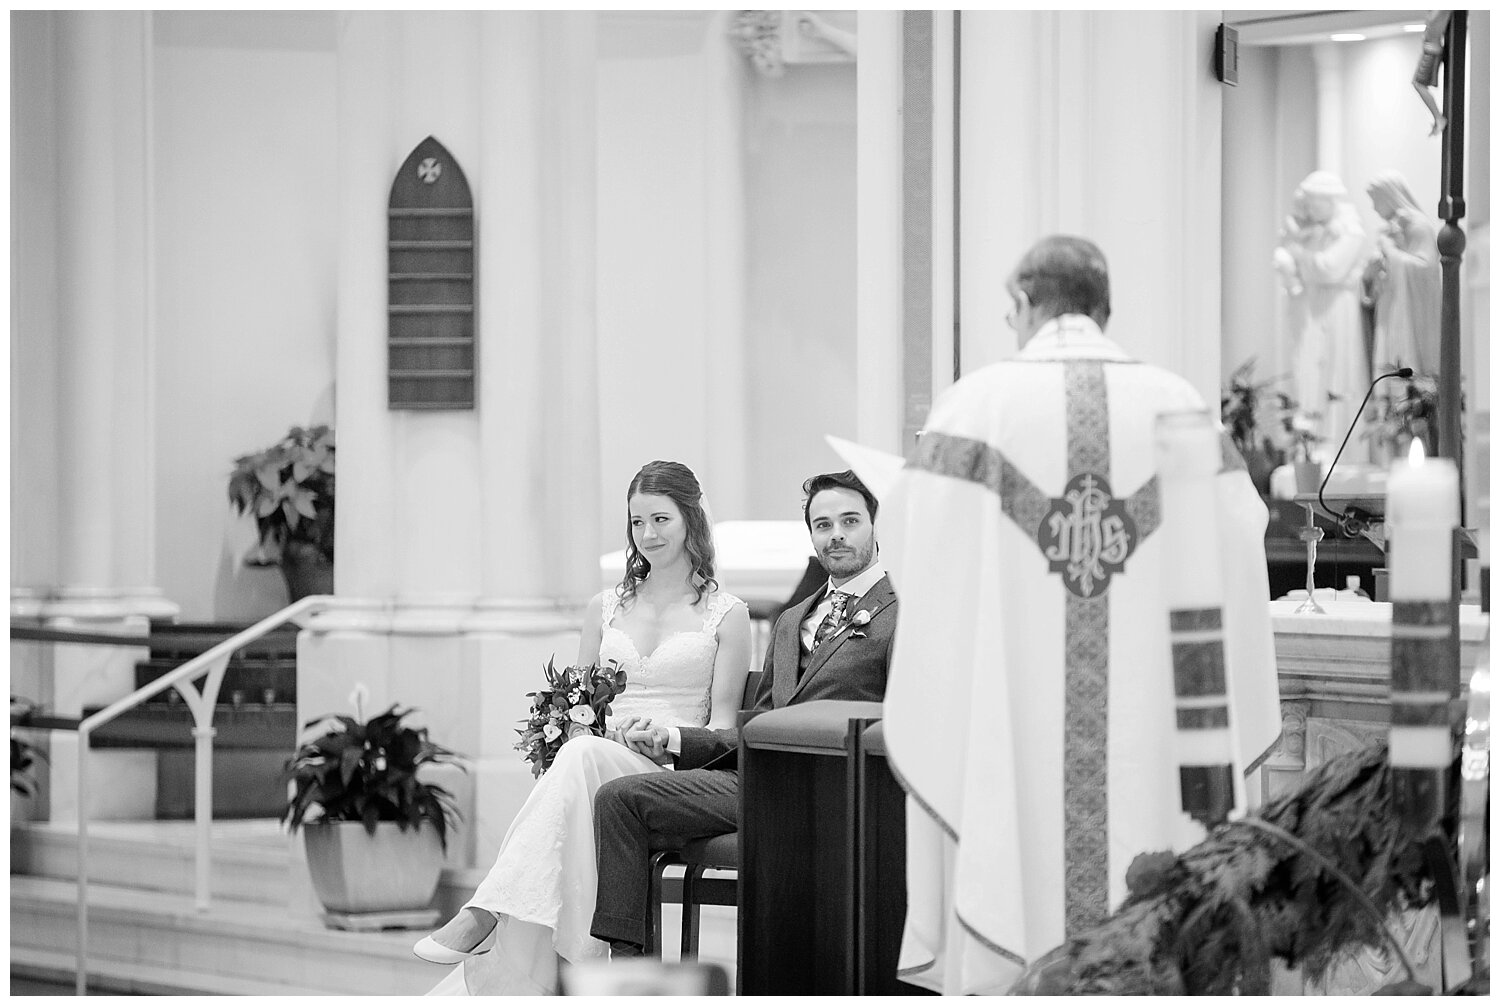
[22, 986]
[264, 921]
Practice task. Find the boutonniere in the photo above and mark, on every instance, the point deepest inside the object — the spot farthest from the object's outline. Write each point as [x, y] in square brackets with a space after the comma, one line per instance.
[859, 621]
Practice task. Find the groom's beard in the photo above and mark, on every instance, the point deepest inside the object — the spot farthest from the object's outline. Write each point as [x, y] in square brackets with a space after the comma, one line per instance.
[851, 562]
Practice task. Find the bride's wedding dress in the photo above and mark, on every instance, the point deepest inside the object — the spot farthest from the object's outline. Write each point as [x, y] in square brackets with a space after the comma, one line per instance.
[542, 885]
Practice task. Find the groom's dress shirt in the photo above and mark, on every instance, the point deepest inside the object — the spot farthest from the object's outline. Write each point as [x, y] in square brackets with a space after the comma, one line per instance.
[855, 588]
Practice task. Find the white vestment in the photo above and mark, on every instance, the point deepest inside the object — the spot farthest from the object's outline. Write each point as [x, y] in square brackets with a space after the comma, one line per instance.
[1030, 708]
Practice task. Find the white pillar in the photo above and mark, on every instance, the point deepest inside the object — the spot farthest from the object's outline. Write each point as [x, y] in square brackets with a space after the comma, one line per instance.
[727, 477]
[1105, 125]
[878, 311]
[103, 392]
[1328, 67]
[466, 538]
[88, 273]
[34, 387]
[944, 183]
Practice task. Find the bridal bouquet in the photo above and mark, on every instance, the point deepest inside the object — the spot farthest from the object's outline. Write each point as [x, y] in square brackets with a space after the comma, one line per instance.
[575, 701]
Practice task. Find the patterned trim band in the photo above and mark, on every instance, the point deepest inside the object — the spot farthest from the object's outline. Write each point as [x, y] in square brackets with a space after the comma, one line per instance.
[1198, 668]
[1196, 619]
[1203, 719]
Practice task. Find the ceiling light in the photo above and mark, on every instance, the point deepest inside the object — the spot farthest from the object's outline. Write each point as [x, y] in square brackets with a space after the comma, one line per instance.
[1346, 36]
[1414, 27]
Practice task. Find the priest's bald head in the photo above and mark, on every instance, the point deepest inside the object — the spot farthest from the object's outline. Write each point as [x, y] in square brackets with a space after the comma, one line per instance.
[1059, 275]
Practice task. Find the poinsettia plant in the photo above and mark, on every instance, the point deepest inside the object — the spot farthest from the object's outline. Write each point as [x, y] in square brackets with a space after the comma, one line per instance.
[288, 488]
[357, 770]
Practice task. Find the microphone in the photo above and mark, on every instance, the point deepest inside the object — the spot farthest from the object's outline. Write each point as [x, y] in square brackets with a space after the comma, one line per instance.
[1355, 519]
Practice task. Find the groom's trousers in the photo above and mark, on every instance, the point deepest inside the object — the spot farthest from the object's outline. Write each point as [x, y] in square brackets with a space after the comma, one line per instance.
[637, 815]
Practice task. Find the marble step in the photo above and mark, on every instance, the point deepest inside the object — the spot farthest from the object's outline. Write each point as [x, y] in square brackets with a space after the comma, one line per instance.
[248, 859]
[263, 933]
[152, 941]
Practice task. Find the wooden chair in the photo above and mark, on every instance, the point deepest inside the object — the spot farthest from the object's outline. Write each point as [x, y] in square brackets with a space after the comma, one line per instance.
[721, 852]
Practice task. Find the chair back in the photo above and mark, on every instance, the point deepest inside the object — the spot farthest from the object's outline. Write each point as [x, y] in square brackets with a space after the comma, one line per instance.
[752, 680]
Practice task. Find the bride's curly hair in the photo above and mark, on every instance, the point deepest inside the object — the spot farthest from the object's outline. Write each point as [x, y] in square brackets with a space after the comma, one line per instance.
[678, 483]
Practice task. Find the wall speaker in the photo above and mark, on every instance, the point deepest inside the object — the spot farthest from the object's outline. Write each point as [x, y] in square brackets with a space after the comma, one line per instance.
[1227, 55]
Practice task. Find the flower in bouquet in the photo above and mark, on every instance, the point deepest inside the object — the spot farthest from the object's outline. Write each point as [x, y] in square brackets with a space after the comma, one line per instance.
[576, 701]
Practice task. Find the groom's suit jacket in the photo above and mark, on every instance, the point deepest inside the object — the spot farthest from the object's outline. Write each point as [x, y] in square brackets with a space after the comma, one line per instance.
[850, 665]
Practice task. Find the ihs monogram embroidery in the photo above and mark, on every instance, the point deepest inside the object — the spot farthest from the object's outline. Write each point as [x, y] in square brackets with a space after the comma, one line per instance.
[1086, 535]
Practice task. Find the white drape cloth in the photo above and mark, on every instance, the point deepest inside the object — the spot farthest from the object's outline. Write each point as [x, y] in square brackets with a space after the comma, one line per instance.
[980, 723]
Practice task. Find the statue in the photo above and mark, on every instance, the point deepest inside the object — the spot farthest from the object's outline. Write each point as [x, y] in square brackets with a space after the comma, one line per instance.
[1405, 279]
[1426, 76]
[1320, 261]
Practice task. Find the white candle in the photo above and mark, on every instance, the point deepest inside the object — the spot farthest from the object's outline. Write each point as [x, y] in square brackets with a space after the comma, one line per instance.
[1479, 483]
[1421, 513]
[1187, 464]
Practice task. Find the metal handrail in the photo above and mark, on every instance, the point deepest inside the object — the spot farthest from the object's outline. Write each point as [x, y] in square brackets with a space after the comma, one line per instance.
[213, 663]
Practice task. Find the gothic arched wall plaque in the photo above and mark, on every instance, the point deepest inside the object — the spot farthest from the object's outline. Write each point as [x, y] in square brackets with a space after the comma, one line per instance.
[431, 296]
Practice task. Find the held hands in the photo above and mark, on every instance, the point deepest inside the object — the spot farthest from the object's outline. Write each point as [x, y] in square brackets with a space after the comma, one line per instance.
[638, 734]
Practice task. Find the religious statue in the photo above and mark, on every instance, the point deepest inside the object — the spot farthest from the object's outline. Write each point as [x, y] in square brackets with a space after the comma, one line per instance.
[1405, 279]
[1426, 76]
[1320, 261]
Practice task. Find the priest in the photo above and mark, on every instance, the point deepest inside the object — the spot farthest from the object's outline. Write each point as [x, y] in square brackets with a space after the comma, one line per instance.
[1030, 709]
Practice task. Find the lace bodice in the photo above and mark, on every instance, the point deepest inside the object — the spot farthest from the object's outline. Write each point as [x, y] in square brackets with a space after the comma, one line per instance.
[673, 683]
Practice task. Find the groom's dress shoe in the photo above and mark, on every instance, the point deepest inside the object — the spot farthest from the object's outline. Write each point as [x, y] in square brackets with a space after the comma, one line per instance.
[432, 951]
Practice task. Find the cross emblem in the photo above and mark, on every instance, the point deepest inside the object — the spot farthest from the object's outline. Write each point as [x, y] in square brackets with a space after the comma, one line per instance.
[429, 170]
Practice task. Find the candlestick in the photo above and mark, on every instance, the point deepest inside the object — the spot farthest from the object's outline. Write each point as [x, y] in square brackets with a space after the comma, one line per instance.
[1311, 534]
[1421, 513]
[1478, 455]
[1187, 462]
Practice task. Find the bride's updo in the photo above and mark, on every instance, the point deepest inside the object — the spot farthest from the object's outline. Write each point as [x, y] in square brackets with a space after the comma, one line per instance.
[678, 483]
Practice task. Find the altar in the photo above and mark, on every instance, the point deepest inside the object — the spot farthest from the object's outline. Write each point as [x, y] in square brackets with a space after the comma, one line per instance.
[1334, 672]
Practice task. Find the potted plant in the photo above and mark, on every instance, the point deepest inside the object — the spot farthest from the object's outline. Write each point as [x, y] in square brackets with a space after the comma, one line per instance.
[375, 833]
[24, 757]
[1408, 413]
[1241, 408]
[289, 488]
[1301, 433]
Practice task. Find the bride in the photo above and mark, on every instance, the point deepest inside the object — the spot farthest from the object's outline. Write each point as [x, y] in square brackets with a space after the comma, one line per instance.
[685, 648]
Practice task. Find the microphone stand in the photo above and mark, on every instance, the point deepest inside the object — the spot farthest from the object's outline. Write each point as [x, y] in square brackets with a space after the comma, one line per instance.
[1354, 520]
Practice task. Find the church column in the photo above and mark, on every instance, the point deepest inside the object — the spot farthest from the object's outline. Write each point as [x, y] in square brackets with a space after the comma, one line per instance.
[1106, 125]
[539, 426]
[465, 537]
[1328, 68]
[879, 240]
[104, 381]
[727, 474]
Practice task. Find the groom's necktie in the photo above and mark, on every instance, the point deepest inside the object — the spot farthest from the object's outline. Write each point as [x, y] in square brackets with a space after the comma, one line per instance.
[834, 619]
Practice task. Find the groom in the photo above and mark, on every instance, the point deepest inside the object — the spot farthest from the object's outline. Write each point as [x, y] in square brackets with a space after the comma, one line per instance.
[836, 644]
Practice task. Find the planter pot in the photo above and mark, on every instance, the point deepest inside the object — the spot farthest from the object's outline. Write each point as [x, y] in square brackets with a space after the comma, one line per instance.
[20, 808]
[306, 571]
[356, 873]
[1309, 474]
